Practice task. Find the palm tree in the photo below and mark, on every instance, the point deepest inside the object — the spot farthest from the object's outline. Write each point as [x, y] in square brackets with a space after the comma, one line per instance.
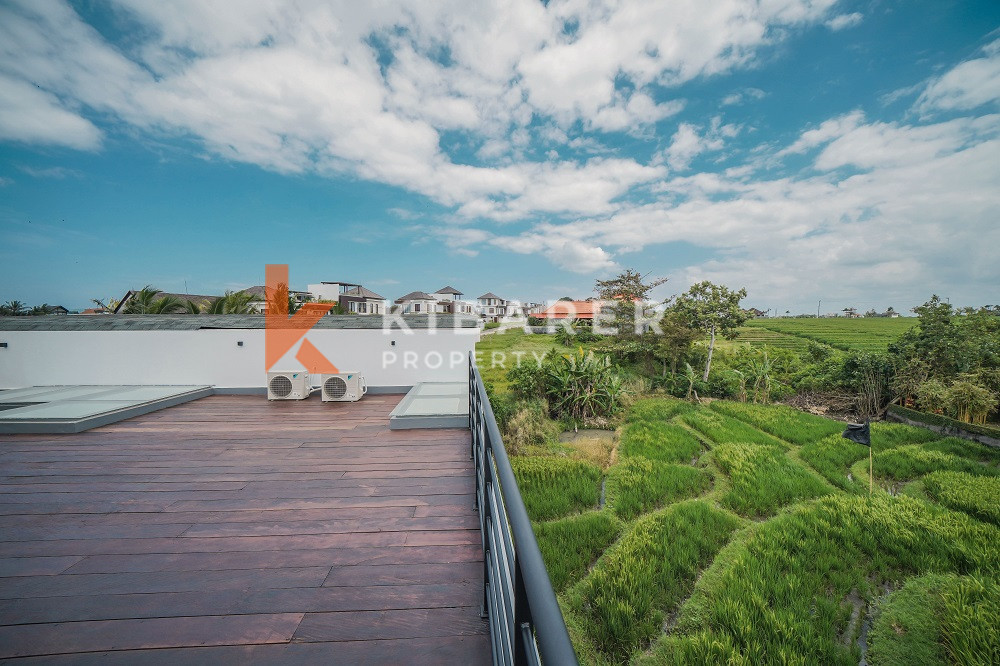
[14, 308]
[145, 301]
[234, 302]
[107, 305]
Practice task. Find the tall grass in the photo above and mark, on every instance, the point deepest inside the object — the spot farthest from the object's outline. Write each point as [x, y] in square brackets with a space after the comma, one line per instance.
[637, 485]
[832, 457]
[722, 429]
[556, 487]
[781, 421]
[647, 573]
[777, 593]
[939, 618]
[909, 462]
[659, 441]
[569, 546]
[763, 479]
[976, 496]
[970, 626]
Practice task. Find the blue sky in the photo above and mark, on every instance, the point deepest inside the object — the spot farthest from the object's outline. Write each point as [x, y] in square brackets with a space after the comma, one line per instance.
[807, 150]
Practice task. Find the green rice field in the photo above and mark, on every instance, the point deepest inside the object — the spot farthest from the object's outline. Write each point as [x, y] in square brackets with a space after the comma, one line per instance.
[734, 533]
[863, 334]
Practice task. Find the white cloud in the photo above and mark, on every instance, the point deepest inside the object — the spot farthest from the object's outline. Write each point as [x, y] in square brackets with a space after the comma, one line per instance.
[968, 85]
[31, 115]
[842, 21]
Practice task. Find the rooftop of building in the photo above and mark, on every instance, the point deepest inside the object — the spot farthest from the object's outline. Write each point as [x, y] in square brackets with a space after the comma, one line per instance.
[233, 529]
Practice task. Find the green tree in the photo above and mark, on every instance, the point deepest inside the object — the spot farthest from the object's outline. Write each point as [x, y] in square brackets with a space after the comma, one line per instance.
[714, 309]
[145, 301]
[624, 294]
[675, 341]
[234, 302]
[13, 308]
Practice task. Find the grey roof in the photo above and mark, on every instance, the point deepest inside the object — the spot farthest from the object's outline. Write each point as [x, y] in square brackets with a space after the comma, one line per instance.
[449, 290]
[490, 294]
[416, 296]
[365, 293]
[187, 322]
[259, 292]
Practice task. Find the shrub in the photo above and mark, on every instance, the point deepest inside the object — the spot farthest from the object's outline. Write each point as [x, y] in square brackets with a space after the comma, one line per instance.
[491, 325]
[556, 487]
[528, 425]
[763, 479]
[584, 386]
[976, 496]
[637, 485]
[569, 546]
[648, 572]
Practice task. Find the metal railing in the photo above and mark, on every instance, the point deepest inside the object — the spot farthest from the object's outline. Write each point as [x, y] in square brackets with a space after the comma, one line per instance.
[526, 625]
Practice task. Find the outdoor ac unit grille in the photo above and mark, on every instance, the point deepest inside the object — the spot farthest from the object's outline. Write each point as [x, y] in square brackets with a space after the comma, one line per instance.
[335, 388]
[281, 386]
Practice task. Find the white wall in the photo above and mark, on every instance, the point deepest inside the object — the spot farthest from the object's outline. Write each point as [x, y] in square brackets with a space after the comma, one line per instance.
[325, 292]
[212, 356]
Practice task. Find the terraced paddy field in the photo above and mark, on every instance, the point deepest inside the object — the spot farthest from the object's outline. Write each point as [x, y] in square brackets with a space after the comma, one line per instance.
[864, 334]
[745, 534]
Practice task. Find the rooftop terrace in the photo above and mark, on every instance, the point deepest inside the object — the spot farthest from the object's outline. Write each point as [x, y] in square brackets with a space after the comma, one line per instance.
[231, 529]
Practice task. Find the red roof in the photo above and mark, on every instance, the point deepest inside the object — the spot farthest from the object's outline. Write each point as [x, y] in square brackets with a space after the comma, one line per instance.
[571, 310]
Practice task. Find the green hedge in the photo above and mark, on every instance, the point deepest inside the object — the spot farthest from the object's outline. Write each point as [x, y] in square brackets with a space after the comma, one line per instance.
[944, 421]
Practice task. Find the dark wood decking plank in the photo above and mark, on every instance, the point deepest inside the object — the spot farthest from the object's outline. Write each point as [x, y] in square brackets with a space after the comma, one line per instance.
[43, 639]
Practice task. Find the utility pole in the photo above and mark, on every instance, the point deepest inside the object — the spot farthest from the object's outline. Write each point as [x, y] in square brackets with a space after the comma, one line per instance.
[817, 308]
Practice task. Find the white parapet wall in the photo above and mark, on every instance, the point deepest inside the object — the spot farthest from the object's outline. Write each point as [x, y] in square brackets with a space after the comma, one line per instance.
[224, 355]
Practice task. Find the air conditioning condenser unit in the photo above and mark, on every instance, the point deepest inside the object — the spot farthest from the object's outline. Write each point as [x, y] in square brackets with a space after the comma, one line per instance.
[288, 385]
[343, 387]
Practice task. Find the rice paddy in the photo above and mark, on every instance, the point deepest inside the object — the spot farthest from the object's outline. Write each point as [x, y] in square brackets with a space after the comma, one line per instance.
[745, 534]
[864, 334]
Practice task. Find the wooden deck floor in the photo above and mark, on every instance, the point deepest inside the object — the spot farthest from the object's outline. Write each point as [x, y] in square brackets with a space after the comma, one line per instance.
[233, 530]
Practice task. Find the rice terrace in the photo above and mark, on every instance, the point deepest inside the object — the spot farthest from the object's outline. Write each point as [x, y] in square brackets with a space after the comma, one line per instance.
[720, 531]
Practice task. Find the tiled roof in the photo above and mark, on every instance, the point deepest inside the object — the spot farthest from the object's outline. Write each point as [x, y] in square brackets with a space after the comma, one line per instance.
[449, 290]
[365, 293]
[571, 309]
[187, 322]
[490, 294]
[415, 296]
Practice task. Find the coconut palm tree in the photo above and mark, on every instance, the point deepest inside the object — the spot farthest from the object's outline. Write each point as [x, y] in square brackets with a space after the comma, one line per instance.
[145, 301]
[234, 302]
[14, 308]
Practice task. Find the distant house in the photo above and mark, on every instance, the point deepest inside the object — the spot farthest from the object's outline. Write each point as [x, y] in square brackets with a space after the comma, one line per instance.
[492, 307]
[95, 311]
[754, 312]
[571, 310]
[449, 300]
[350, 296]
[416, 302]
[259, 293]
